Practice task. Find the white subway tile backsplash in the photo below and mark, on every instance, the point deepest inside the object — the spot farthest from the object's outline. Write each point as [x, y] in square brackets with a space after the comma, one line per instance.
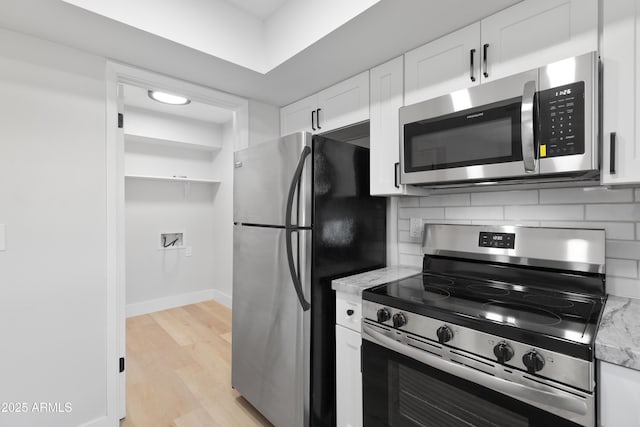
[614, 212]
[585, 195]
[409, 248]
[622, 268]
[448, 221]
[623, 249]
[623, 287]
[613, 230]
[545, 212]
[404, 237]
[529, 197]
[446, 200]
[505, 222]
[424, 213]
[410, 260]
[408, 202]
[485, 212]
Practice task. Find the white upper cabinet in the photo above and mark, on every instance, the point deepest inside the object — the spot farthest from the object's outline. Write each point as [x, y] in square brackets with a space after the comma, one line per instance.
[525, 36]
[384, 140]
[340, 105]
[444, 65]
[620, 73]
[344, 104]
[297, 117]
[537, 32]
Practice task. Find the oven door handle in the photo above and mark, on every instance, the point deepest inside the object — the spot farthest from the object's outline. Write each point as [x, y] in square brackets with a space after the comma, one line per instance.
[526, 126]
[550, 397]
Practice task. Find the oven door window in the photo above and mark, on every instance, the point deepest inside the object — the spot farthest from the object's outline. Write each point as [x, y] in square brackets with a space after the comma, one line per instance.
[478, 136]
[401, 392]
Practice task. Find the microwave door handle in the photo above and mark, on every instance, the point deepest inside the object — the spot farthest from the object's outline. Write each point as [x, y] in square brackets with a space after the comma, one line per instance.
[526, 126]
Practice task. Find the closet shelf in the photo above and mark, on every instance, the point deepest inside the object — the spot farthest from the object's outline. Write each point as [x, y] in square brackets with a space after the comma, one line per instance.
[128, 137]
[173, 178]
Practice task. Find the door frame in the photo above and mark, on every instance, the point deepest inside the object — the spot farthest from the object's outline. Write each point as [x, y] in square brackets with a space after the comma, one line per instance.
[117, 74]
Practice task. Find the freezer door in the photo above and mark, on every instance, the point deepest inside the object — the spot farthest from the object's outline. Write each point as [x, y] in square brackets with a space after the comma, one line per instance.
[263, 175]
[270, 344]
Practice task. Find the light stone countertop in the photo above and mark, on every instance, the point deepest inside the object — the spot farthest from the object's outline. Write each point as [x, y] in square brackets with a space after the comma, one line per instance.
[618, 338]
[357, 283]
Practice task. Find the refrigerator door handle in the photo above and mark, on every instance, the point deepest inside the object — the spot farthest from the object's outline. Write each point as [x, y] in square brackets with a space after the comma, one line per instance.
[291, 228]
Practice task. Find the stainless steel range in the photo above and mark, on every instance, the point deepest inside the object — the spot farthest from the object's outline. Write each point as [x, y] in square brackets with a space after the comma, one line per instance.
[498, 330]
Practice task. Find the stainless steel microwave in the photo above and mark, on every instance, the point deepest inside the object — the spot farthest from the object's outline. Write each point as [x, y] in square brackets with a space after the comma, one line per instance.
[538, 125]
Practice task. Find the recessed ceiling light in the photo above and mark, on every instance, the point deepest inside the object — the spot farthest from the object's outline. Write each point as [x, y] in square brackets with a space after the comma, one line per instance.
[167, 98]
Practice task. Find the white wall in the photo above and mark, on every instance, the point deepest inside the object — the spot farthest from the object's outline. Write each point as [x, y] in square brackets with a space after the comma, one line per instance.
[300, 23]
[264, 122]
[53, 286]
[615, 210]
[159, 279]
[223, 218]
[215, 27]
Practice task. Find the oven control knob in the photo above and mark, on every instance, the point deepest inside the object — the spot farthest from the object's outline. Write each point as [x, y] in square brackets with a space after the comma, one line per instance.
[399, 319]
[383, 315]
[503, 352]
[445, 334]
[533, 361]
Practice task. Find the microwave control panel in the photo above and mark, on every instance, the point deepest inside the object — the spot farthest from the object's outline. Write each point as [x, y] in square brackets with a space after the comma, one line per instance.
[561, 113]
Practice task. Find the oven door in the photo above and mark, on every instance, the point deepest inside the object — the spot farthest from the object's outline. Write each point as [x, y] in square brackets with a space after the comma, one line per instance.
[482, 133]
[404, 385]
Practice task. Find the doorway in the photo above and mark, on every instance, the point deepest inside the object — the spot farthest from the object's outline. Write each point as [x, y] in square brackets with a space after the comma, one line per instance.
[169, 199]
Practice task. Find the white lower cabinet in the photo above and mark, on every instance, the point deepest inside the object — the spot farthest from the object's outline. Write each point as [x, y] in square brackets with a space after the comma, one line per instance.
[348, 373]
[348, 378]
[619, 396]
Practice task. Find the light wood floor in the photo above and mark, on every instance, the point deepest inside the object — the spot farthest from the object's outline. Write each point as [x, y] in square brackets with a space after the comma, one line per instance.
[179, 370]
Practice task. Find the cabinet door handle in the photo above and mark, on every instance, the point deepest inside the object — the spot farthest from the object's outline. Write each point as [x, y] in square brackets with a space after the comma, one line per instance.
[472, 53]
[313, 119]
[485, 48]
[396, 172]
[350, 312]
[612, 153]
[318, 118]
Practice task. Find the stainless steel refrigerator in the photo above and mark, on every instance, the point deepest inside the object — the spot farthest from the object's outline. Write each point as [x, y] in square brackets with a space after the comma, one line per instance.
[302, 217]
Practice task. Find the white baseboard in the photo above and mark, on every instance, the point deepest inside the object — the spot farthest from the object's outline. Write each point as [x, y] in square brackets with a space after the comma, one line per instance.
[159, 304]
[222, 298]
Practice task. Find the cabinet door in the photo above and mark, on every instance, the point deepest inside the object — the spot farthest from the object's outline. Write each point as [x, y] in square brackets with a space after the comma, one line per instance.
[537, 32]
[296, 117]
[619, 396]
[443, 65]
[348, 378]
[384, 139]
[620, 71]
[344, 104]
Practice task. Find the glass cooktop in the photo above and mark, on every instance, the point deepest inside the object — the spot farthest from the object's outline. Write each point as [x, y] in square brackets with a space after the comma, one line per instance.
[529, 314]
